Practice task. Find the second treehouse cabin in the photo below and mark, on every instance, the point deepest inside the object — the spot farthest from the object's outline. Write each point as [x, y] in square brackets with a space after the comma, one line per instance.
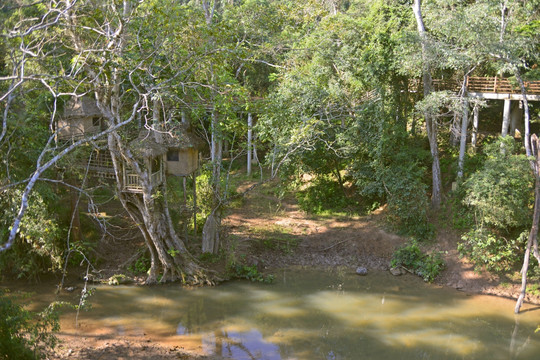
[81, 118]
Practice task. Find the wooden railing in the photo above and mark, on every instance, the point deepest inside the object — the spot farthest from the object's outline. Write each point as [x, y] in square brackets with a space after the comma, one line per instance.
[446, 84]
[101, 161]
[495, 85]
[133, 181]
[369, 96]
[500, 85]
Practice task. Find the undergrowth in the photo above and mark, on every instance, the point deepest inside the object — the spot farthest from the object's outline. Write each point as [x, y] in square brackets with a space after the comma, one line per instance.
[25, 334]
[411, 257]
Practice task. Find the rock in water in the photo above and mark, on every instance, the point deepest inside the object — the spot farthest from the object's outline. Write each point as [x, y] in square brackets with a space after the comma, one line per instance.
[396, 271]
[361, 271]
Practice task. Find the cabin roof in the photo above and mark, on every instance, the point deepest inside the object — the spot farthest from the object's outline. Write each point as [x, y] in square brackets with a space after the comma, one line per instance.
[146, 145]
[151, 144]
[181, 137]
[81, 107]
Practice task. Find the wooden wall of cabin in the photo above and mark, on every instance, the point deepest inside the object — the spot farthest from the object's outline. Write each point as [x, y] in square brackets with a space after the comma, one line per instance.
[187, 163]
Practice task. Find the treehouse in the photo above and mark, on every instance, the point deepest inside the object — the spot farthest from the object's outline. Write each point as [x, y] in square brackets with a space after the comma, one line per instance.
[81, 117]
[176, 151]
[149, 150]
[182, 156]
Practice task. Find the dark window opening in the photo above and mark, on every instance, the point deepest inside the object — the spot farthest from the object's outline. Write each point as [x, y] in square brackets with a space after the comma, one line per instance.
[156, 165]
[172, 155]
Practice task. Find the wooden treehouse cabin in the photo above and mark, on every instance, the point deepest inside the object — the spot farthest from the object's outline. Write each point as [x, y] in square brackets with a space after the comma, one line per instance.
[183, 147]
[173, 152]
[81, 118]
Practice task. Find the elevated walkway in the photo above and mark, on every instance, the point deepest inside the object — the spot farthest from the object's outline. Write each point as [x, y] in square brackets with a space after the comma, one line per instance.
[495, 88]
[492, 88]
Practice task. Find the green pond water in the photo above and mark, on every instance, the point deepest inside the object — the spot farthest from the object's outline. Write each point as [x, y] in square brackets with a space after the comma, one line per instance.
[316, 314]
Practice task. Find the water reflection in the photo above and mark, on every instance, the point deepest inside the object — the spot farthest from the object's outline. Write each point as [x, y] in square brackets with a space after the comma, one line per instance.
[240, 345]
[320, 315]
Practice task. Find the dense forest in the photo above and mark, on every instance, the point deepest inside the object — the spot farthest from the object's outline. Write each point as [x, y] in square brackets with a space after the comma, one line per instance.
[373, 99]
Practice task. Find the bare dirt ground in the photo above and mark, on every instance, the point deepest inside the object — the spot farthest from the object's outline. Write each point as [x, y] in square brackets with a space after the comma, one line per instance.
[273, 233]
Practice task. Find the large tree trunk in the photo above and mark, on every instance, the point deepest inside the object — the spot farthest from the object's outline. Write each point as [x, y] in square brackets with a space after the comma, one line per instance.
[169, 255]
[431, 123]
[212, 226]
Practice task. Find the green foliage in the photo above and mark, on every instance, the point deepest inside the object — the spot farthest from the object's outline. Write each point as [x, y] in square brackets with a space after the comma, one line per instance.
[251, 273]
[455, 213]
[500, 196]
[140, 266]
[325, 195]
[411, 257]
[38, 247]
[501, 192]
[24, 334]
[487, 249]
[205, 197]
[407, 205]
[210, 258]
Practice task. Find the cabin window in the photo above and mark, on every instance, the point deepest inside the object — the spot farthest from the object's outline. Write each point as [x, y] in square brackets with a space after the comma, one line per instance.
[172, 155]
[156, 165]
[96, 121]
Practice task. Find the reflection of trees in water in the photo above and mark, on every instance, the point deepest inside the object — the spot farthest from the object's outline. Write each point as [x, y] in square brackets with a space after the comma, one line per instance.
[516, 349]
[240, 345]
[286, 321]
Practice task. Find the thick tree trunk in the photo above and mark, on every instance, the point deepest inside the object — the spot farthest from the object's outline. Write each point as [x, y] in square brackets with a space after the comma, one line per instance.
[169, 255]
[211, 229]
[431, 123]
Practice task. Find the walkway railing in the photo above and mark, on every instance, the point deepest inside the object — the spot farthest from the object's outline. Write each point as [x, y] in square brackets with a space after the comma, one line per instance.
[492, 85]
[501, 85]
[133, 181]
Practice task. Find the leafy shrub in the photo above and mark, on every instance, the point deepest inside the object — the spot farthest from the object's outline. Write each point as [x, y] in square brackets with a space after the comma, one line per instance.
[495, 253]
[501, 192]
[324, 195]
[24, 334]
[249, 272]
[407, 204]
[38, 247]
[205, 198]
[411, 257]
[500, 195]
[141, 265]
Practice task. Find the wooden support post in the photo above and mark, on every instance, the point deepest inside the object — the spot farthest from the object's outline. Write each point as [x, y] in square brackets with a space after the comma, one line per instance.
[506, 117]
[184, 205]
[184, 118]
[184, 189]
[195, 203]
[249, 134]
[474, 135]
[463, 137]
